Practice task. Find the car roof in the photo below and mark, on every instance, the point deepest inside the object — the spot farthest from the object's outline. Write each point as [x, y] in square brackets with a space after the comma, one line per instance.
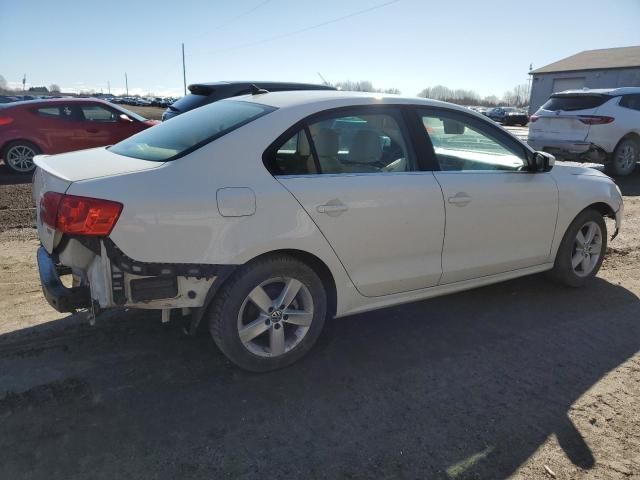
[614, 92]
[52, 101]
[327, 99]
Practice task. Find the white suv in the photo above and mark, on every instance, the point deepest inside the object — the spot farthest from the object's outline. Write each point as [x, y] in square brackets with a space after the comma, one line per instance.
[264, 214]
[600, 126]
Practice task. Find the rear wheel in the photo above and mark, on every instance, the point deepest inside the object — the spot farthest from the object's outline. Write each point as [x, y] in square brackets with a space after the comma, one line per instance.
[18, 156]
[624, 158]
[269, 313]
[582, 249]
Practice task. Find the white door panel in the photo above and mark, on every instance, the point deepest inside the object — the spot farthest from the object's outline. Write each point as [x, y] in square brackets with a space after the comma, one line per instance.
[496, 222]
[387, 229]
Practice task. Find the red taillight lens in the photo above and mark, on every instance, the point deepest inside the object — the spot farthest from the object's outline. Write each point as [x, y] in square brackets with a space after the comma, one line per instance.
[5, 121]
[49, 208]
[595, 119]
[79, 215]
[533, 118]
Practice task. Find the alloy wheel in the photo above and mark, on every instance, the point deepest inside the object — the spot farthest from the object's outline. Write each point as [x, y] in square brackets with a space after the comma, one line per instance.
[275, 317]
[587, 249]
[20, 158]
[626, 156]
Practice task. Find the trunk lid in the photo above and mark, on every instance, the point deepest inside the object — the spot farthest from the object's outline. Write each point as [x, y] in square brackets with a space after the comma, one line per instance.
[560, 125]
[92, 163]
[56, 173]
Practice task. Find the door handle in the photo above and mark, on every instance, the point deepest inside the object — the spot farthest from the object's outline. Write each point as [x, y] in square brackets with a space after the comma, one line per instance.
[329, 209]
[460, 199]
[92, 130]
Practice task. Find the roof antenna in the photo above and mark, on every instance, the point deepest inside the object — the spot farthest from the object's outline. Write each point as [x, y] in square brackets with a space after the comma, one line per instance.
[256, 90]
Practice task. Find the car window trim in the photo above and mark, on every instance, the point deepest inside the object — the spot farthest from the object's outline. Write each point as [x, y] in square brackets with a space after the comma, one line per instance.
[484, 127]
[268, 156]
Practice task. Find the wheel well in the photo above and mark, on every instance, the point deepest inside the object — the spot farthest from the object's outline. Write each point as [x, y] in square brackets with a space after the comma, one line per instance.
[317, 265]
[630, 135]
[321, 270]
[9, 142]
[604, 209]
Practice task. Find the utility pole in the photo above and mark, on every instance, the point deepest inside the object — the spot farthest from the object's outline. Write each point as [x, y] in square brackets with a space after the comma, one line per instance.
[24, 81]
[109, 86]
[184, 71]
[126, 83]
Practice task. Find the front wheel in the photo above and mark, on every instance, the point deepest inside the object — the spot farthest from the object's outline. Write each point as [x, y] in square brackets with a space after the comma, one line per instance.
[624, 158]
[582, 249]
[269, 313]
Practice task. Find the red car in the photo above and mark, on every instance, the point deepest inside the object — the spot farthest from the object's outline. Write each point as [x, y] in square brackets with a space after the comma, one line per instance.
[60, 125]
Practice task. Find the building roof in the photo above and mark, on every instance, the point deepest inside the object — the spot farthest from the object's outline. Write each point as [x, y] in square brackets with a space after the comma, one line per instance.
[623, 57]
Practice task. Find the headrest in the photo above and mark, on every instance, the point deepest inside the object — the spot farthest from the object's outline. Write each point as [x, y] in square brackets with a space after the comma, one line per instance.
[365, 147]
[326, 143]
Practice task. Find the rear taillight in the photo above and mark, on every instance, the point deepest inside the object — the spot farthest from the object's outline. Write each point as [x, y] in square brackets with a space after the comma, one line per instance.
[5, 121]
[79, 215]
[533, 118]
[595, 119]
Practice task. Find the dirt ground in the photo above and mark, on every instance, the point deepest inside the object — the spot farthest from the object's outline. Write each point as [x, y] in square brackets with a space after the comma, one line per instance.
[522, 380]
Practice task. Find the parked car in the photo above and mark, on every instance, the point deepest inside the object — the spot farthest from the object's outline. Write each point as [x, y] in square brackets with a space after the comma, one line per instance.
[205, 93]
[594, 125]
[29, 128]
[249, 212]
[508, 116]
[8, 99]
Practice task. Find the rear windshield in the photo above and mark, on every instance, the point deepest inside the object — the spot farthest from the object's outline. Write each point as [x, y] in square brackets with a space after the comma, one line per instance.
[185, 133]
[189, 102]
[574, 102]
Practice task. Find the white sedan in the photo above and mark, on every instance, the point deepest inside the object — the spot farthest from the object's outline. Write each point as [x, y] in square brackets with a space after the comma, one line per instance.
[262, 215]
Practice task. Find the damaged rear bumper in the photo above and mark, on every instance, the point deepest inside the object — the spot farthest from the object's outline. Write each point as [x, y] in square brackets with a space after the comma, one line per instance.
[63, 299]
[110, 279]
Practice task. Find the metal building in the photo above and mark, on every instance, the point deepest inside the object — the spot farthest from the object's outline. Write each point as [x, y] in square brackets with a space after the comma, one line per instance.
[603, 68]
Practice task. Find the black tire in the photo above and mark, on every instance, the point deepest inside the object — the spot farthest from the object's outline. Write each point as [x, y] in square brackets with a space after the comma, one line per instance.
[225, 310]
[17, 144]
[617, 165]
[563, 271]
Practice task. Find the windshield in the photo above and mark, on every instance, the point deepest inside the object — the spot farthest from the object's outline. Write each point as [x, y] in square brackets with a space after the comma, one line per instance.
[183, 134]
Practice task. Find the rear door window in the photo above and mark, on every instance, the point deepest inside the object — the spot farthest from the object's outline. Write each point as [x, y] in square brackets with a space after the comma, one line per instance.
[58, 112]
[186, 133]
[358, 143]
[574, 102]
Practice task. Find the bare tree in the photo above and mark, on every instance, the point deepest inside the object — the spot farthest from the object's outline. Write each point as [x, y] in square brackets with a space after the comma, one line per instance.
[362, 86]
[54, 88]
[3, 84]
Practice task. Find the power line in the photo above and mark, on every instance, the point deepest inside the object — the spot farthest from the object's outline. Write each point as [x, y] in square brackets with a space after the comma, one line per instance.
[240, 15]
[306, 29]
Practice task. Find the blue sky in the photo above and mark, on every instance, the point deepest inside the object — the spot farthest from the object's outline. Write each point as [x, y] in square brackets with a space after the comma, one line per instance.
[408, 44]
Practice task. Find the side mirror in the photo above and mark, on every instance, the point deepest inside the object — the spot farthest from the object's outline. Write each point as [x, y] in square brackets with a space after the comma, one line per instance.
[125, 117]
[452, 127]
[543, 162]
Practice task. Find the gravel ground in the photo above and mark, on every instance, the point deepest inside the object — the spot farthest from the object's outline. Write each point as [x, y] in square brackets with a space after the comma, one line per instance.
[522, 380]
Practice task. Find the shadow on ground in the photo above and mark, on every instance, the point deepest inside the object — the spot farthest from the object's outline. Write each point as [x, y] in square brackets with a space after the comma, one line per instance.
[465, 386]
[630, 185]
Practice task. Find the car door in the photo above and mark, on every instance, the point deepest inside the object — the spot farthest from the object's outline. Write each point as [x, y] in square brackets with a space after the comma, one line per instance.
[101, 125]
[60, 126]
[355, 174]
[500, 216]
